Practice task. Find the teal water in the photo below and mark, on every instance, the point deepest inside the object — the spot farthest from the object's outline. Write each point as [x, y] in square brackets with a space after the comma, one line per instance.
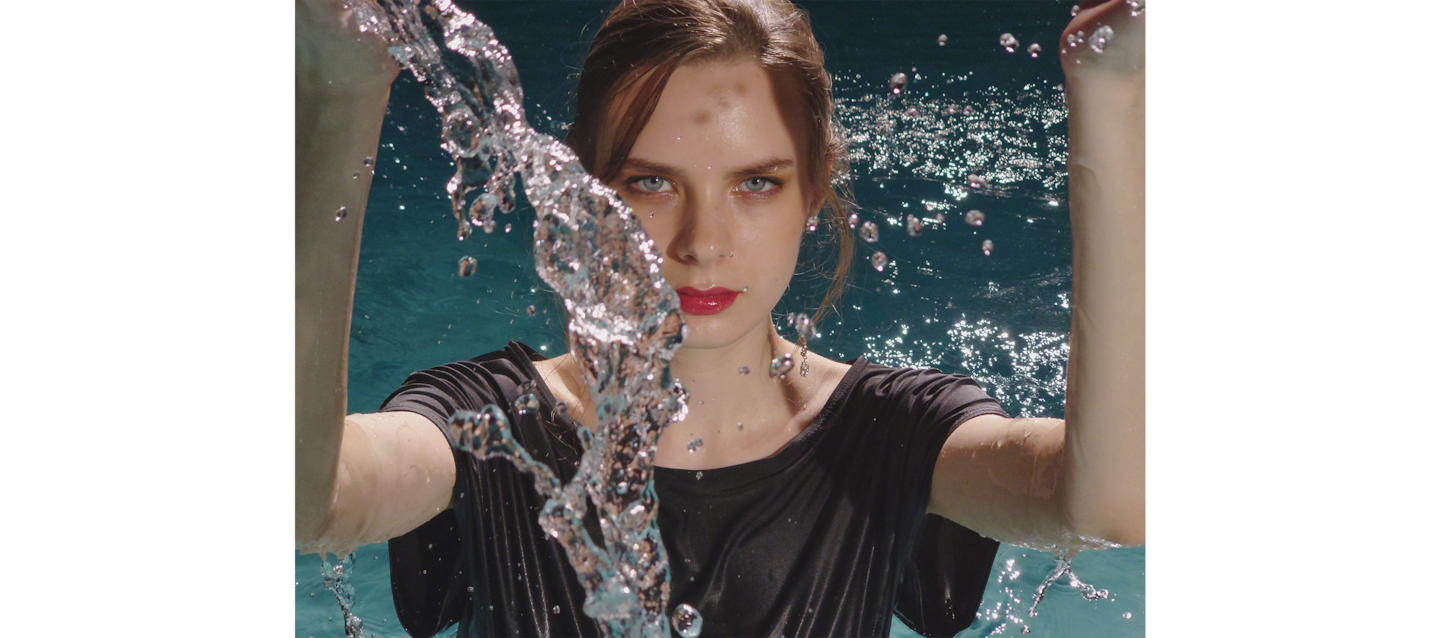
[941, 302]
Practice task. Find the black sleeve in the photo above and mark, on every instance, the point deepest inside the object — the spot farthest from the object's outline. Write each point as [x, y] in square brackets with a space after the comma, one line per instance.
[427, 579]
[945, 577]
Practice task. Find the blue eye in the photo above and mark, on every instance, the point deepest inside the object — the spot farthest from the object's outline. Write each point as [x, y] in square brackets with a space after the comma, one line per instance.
[757, 185]
[651, 184]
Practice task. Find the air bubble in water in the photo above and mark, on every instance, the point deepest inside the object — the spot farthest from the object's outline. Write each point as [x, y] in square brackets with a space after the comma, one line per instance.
[1074, 10]
[744, 369]
[340, 213]
[369, 161]
[467, 266]
[912, 112]
[1137, 7]
[812, 223]
[976, 181]
[1009, 42]
[967, 110]
[356, 175]
[939, 218]
[942, 40]
[854, 219]
[878, 260]
[507, 228]
[987, 247]
[869, 232]
[530, 310]
[913, 225]
[685, 619]
[781, 365]
[1034, 49]
[562, 408]
[698, 475]
[739, 426]
[695, 444]
[975, 218]
[804, 326]
[1126, 615]
[1071, 40]
[526, 403]
[488, 226]
[897, 83]
[1100, 38]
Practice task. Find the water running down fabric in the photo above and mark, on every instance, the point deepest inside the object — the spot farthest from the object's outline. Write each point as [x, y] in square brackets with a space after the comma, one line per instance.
[828, 537]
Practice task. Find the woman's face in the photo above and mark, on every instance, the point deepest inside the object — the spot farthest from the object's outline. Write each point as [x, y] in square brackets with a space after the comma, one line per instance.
[714, 179]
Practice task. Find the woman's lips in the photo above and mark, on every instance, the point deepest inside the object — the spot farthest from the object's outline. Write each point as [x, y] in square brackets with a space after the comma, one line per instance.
[711, 301]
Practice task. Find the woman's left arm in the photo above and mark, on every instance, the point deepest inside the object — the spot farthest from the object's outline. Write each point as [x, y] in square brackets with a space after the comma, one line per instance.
[1079, 482]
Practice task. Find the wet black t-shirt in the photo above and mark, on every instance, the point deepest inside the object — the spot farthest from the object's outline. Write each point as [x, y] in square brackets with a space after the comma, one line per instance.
[828, 537]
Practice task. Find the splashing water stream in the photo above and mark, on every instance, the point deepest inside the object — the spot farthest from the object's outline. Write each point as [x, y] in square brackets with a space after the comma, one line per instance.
[625, 324]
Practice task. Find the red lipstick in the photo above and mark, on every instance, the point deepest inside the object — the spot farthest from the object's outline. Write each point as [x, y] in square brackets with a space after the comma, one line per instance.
[711, 301]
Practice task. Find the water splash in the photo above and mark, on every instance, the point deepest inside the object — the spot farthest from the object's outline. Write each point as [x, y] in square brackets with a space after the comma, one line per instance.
[591, 250]
[337, 580]
[1062, 568]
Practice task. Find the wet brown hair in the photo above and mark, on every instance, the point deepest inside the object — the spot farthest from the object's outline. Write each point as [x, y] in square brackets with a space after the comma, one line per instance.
[642, 42]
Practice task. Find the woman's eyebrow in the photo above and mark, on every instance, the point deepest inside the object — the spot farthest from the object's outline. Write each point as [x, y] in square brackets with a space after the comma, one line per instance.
[772, 165]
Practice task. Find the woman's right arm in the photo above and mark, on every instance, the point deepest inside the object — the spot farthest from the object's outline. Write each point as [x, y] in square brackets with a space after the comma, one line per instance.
[368, 477]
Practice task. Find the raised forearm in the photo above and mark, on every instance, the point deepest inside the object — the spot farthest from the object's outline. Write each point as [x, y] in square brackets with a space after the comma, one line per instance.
[1103, 483]
[336, 129]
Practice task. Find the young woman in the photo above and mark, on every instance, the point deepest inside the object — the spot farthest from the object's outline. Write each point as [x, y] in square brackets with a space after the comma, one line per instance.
[711, 118]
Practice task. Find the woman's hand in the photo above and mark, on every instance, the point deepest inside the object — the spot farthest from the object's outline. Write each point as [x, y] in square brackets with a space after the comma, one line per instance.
[1122, 52]
[332, 52]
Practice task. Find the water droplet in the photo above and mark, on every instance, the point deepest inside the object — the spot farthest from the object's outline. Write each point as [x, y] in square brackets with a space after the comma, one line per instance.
[913, 225]
[781, 365]
[744, 369]
[942, 39]
[897, 83]
[912, 112]
[975, 218]
[369, 161]
[526, 403]
[987, 247]
[467, 266]
[869, 232]
[340, 213]
[507, 228]
[1009, 42]
[695, 444]
[1074, 10]
[1034, 49]
[530, 310]
[812, 223]
[854, 219]
[878, 260]
[686, 619]
[804, 326]
[1100, 38]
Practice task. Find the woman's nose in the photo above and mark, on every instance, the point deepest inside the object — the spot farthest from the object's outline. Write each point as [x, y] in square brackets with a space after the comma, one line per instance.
[704, 233]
